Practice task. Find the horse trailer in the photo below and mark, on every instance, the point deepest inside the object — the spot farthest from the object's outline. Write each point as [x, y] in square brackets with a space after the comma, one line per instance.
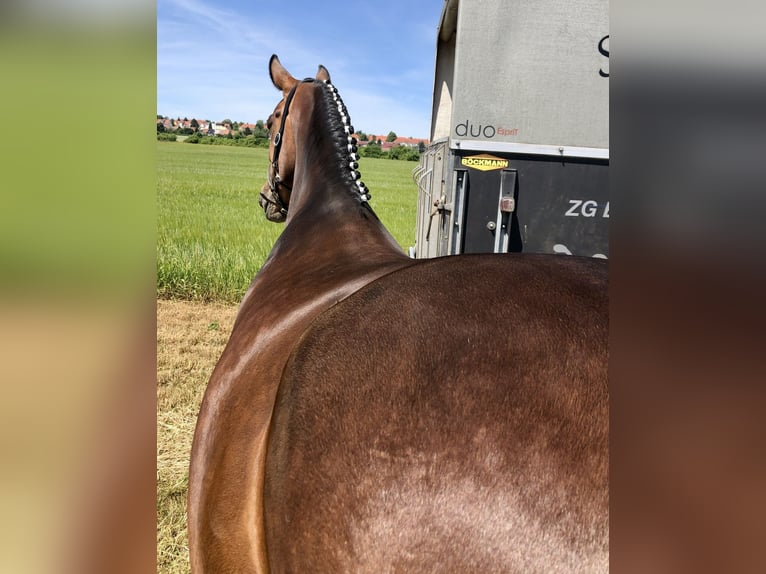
[519, 129]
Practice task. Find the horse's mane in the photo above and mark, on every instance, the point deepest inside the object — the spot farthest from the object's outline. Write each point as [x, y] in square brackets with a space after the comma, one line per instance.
[344, 144]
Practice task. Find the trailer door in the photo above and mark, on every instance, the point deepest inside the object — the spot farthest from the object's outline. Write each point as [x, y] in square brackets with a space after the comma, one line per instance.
[533, 204]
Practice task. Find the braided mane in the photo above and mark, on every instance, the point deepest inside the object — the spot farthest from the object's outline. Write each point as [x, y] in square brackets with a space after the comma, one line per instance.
[341, 130]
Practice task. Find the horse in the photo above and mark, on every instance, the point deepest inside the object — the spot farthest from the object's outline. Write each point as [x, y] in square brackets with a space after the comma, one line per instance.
[376, 413]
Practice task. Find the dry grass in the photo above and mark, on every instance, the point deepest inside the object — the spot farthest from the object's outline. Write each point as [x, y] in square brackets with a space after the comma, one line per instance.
[190, 338]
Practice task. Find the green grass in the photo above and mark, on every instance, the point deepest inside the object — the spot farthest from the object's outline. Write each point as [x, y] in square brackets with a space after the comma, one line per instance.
[213, 236]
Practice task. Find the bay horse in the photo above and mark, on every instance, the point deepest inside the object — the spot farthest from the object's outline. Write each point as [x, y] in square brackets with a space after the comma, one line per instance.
[375, 413]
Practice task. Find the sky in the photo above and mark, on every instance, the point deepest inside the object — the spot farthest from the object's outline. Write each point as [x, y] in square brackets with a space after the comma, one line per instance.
[213, 55]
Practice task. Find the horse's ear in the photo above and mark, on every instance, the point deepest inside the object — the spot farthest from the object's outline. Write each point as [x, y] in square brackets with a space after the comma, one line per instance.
[322, 74]
[280, 77]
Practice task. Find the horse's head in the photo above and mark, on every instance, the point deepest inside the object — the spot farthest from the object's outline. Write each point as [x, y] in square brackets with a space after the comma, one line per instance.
[275, 193]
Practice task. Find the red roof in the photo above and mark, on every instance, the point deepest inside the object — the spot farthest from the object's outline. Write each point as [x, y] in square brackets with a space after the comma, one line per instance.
[410, 141]
[388, 145]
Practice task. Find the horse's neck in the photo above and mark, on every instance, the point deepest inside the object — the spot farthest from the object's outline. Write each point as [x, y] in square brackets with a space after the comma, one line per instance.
[313, 266]
[332, 243]
[333, 234]
[322, 256]
[327, 216]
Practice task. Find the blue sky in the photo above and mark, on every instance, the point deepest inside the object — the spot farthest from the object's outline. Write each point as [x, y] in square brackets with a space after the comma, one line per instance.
[212, 57]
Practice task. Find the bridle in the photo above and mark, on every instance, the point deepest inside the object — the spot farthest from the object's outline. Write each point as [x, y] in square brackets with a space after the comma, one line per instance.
[275, 180]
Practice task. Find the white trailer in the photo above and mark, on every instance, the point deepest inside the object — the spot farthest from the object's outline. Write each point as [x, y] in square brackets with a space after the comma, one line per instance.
[520, 130]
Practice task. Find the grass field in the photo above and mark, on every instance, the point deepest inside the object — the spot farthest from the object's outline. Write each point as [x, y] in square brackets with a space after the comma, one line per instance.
[190, 337]
[212, 238]
[212, 234]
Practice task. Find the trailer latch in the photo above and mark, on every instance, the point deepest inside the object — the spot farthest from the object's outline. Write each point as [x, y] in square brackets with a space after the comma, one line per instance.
[507, 204]
[439, 206]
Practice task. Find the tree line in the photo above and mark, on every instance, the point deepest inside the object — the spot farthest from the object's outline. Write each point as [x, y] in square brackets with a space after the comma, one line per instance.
[259, 137]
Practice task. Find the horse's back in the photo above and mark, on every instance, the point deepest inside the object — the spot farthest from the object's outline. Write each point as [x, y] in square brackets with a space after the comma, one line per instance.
[451, 416]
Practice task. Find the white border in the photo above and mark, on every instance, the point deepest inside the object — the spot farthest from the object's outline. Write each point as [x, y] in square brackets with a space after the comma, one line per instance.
[533, 149]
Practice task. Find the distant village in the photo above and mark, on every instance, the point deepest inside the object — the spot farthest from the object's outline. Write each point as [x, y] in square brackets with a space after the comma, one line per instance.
[230, 129]
[206, 127]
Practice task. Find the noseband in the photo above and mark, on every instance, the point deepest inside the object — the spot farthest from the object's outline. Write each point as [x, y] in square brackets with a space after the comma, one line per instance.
[276, 180]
